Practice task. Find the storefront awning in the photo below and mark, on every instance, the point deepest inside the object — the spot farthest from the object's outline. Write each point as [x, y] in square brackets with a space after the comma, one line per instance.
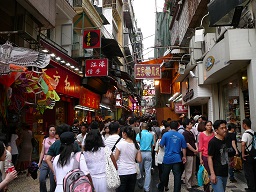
[111, 48]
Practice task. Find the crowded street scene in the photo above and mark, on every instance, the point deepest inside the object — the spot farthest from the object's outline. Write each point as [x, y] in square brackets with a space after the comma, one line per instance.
[127, 96]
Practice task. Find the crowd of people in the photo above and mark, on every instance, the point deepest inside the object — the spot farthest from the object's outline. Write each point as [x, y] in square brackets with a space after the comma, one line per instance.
[137, 147]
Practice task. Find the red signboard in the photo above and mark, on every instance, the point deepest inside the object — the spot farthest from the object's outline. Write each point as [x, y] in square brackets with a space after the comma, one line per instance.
[145, 71]
[92, 39]
[89, 99]
[179, 108]
[68, 83]
[96, 67]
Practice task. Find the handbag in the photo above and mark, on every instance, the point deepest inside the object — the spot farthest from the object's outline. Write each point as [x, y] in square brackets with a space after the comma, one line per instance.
[238, 165]
[200, 179]
[112, 177]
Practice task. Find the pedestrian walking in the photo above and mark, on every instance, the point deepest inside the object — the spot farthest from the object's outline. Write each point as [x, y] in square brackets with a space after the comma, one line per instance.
[203, 142]
[114, 137]
[173, 142]
[94, 154]
[232, 150]
[127, 154]
[43, 167]
[191, 152]
[218, 157]
[146, 141]
[64, 162]
[249, 162]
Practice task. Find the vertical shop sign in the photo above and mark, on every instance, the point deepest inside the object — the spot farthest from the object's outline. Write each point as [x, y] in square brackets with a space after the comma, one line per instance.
[92, 39]
[118, 100]
[145, 71]
[96, 67]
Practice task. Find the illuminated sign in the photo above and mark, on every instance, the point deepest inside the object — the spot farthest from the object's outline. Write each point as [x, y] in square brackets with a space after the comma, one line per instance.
[144, 71]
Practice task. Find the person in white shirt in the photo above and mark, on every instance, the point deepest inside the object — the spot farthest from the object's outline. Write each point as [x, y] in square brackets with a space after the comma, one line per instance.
[80, 137]
[114, 129]
[127, 153]
[64, 162]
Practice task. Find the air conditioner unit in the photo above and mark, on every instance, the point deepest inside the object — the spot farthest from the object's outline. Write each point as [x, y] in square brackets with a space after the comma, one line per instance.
[27, 27]
[77, 3]
[181, 69]
[220, 31]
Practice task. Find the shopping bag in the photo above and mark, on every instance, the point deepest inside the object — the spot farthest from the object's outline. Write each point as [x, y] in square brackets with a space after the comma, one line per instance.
[200, 180]
[206, 178]
[238, 165]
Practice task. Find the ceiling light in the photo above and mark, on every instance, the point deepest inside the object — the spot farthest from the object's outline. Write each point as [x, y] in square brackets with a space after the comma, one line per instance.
[80, 72]
[72, 66]
[62, 61]
[53, 55]
[58, 58]
[45, 51]
[76, 69]
[67, 64]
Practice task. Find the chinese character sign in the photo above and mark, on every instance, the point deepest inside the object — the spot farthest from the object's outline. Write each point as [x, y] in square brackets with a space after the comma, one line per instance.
[91, 39]
[96, 67]
[179, 108]
[144, 71]
[89, 99]
[118, 100]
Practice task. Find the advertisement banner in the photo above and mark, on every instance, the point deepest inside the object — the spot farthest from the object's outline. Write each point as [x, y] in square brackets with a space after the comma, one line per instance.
[96, 67]
[89, 99]
[92, 39]
[147, 71]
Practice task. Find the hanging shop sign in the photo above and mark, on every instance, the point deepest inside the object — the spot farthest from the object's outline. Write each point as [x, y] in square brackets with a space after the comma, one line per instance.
[89, 99]
[118, 100]
[92, 39]
[189, 95]
[179, 108]
[145, 71]
[209, 63]
[68, 83]
[96, 67]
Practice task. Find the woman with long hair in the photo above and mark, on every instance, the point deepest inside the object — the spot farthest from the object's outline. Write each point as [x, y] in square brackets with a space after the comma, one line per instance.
[64, 162]
[10, 175]
[127, 153]
[44, 168]
[94, 153]
[203, 142]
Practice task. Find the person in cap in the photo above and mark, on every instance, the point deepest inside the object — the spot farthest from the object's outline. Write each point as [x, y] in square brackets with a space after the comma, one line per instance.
[64, 162]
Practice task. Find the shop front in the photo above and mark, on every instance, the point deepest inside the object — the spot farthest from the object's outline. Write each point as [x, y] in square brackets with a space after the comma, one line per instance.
[231, 73]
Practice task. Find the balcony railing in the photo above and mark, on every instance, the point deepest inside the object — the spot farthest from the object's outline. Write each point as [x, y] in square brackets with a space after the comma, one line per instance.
[42, 36]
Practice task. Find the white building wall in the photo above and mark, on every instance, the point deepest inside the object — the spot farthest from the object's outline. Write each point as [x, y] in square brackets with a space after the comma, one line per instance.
[108, 29]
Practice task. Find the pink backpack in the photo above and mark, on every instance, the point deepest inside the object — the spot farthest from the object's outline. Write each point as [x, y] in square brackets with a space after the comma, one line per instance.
[75, 180]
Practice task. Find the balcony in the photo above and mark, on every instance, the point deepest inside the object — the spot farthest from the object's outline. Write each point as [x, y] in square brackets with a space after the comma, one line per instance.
[127, 14]
[116, 6]
[65, 9]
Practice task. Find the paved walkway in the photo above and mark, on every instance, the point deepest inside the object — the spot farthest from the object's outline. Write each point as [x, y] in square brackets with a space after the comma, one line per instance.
[27, 184]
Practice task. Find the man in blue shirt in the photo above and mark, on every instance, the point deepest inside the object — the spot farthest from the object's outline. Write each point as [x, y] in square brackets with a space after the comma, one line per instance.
[146, 141]
[173, 142]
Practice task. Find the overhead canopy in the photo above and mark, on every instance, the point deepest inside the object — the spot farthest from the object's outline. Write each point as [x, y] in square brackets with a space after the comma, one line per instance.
[158, 60]
[111, 48]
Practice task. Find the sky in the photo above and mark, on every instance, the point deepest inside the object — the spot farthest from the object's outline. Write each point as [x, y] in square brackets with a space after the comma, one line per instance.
[145, 14]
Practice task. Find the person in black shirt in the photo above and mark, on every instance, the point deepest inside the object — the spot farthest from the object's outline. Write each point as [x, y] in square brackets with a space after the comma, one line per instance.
[232, 149]
[218, 157]
[75, 127]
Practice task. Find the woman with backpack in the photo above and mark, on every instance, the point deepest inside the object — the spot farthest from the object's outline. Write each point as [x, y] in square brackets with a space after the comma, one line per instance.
[127, 153]
[66, 162]
[94, 153]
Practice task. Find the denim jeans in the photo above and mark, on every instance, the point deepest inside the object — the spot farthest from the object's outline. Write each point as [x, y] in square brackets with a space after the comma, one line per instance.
[221, 184]
[44, 171]
[145, 165]
[176, 169]
[127, 183]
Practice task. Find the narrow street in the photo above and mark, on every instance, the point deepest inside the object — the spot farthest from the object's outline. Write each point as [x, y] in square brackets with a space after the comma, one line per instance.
[27, 184]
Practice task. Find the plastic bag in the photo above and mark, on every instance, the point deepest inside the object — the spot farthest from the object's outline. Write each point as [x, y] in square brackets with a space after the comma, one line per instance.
[200, 175]
[206, 178]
